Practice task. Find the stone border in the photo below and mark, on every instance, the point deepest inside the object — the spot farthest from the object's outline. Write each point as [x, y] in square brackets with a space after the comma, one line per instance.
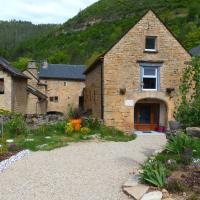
[8, 162]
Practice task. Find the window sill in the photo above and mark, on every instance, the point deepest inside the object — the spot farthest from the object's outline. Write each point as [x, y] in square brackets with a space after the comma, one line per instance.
[149, 90]
[150, 51]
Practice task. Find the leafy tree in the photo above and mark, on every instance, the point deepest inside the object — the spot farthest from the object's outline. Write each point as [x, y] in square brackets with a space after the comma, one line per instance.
[188, 111]
[21, 63]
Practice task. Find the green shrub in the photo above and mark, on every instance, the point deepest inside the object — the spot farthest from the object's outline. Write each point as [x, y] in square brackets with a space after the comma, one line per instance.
[16, 126]
[177, 144]
[69, 128]
[154, 173]
[92, 123]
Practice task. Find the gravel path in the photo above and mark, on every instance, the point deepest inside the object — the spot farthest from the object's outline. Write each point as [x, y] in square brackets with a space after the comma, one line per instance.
[82, 171]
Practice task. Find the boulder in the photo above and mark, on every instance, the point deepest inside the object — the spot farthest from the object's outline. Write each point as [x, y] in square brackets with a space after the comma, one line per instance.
[156, 195]
[132, 181]
[193, 131]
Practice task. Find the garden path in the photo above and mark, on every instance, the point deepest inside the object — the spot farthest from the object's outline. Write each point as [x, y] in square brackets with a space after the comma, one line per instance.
[81, 171]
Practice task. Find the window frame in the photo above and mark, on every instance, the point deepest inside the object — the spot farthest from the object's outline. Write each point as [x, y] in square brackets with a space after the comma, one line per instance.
[2, 92]
[156, 76]
[155, 48]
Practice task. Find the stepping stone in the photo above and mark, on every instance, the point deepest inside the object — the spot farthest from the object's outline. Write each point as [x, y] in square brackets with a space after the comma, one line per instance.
[10, 141]
[136, 192]
[157, 195]
[132, 181]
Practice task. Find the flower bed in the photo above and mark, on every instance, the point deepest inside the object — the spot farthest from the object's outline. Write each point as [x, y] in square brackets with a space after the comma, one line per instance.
[177, 168]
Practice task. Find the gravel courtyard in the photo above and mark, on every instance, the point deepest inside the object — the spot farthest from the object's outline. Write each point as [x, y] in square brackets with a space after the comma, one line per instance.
[82, 171]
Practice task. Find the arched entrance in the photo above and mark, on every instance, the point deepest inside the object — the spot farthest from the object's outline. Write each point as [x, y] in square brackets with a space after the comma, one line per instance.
[150, 114]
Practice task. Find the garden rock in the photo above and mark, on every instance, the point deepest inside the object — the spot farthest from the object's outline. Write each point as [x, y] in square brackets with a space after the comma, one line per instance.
[193, 131]
[157, 195]
[6, 163]
[165, 194]
[132, 181]
[136, 192]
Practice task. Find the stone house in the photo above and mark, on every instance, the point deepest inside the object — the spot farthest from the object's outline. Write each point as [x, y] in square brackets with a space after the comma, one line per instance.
[135, 84]
[13, 88]
[37, 91]
[65, 85]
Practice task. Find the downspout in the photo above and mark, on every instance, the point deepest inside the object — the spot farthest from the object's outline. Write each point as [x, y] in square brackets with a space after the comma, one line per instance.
[102, 92]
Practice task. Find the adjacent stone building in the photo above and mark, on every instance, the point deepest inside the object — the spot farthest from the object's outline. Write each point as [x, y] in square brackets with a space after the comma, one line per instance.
[37, 100]
[65, 85]
[13, 88]
[135, 84]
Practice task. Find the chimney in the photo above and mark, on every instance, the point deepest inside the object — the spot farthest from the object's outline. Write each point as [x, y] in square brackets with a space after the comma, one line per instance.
[32, 67]
[32, 64]
[45, 64]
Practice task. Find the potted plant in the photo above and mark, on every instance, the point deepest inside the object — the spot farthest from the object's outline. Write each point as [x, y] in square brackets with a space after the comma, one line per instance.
[75, 118]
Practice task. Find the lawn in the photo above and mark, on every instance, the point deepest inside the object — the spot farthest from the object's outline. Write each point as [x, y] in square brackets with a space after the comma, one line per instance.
[17, 135]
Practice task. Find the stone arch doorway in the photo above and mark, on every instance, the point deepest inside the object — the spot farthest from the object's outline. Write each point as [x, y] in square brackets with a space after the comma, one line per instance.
[150, 114]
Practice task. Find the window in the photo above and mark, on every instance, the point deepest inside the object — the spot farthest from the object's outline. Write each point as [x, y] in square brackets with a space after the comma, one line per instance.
[65, 83]
[149, 78]
[150, 44]
[54, 99]
[1, 86]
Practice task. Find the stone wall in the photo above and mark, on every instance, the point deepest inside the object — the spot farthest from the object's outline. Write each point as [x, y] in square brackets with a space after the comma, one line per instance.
[68, 93]
[5, 99]
[34, 106]
[19, 95]
[92, 92]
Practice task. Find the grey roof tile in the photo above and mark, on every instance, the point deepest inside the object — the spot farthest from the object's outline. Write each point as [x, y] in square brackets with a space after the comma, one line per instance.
[62, 71]
[195, 51]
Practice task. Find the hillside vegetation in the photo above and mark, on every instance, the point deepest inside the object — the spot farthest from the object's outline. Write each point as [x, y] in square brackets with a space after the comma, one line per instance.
[82, 38]
[12, 33]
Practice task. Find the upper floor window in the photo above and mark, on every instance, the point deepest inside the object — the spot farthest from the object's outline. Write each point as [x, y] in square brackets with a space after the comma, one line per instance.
[1, 86]
[150, 43]
[149, 78]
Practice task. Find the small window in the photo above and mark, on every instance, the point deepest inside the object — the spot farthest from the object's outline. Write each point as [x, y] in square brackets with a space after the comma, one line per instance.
[150, 43]
[65, 83]
[1, 86]
[149, 78]
[54, 99]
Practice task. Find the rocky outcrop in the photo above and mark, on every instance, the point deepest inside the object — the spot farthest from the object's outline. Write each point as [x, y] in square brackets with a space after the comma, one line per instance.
[193, 131]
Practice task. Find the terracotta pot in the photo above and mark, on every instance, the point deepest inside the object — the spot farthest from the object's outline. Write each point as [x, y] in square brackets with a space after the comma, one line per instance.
[76, 123]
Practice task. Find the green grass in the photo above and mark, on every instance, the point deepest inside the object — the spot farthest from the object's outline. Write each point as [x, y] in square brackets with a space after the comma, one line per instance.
[48, 137]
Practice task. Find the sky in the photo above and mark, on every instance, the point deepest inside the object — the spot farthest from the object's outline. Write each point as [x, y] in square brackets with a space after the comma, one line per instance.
[41, 11]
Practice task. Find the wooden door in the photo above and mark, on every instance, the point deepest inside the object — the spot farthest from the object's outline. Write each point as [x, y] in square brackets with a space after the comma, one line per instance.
[147, 116]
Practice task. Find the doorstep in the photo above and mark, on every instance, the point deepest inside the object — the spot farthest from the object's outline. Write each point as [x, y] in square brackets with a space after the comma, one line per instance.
[143, 133]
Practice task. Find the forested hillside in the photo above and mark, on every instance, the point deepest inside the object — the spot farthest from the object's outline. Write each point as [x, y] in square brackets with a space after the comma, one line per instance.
[96, 28]
[12, 33]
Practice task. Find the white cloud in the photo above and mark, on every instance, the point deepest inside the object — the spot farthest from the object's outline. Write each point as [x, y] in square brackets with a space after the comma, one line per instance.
[42, 11]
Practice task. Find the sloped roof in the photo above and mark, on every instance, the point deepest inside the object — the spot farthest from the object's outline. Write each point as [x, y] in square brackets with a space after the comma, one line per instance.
[63, 72]
[36, 92]
[13, 71]
[195, 51]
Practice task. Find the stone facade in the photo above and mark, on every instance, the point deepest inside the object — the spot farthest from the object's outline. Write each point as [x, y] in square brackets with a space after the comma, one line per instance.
[34, 104]
[122, 70]
[92, 93]
[67, 92]
[14, 98]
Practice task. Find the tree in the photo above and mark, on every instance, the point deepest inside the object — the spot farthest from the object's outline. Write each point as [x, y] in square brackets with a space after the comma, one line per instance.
[188, 111]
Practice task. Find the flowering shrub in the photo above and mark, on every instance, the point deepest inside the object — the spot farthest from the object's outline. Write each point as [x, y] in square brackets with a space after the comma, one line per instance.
[85, 130]
[69, 128]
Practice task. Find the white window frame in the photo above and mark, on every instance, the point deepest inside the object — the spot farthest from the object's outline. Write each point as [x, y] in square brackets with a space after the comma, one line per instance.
[150, 76]
[151, 50]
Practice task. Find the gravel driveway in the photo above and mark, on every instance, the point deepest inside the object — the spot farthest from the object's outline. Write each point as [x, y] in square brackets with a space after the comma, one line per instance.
[82, 171]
